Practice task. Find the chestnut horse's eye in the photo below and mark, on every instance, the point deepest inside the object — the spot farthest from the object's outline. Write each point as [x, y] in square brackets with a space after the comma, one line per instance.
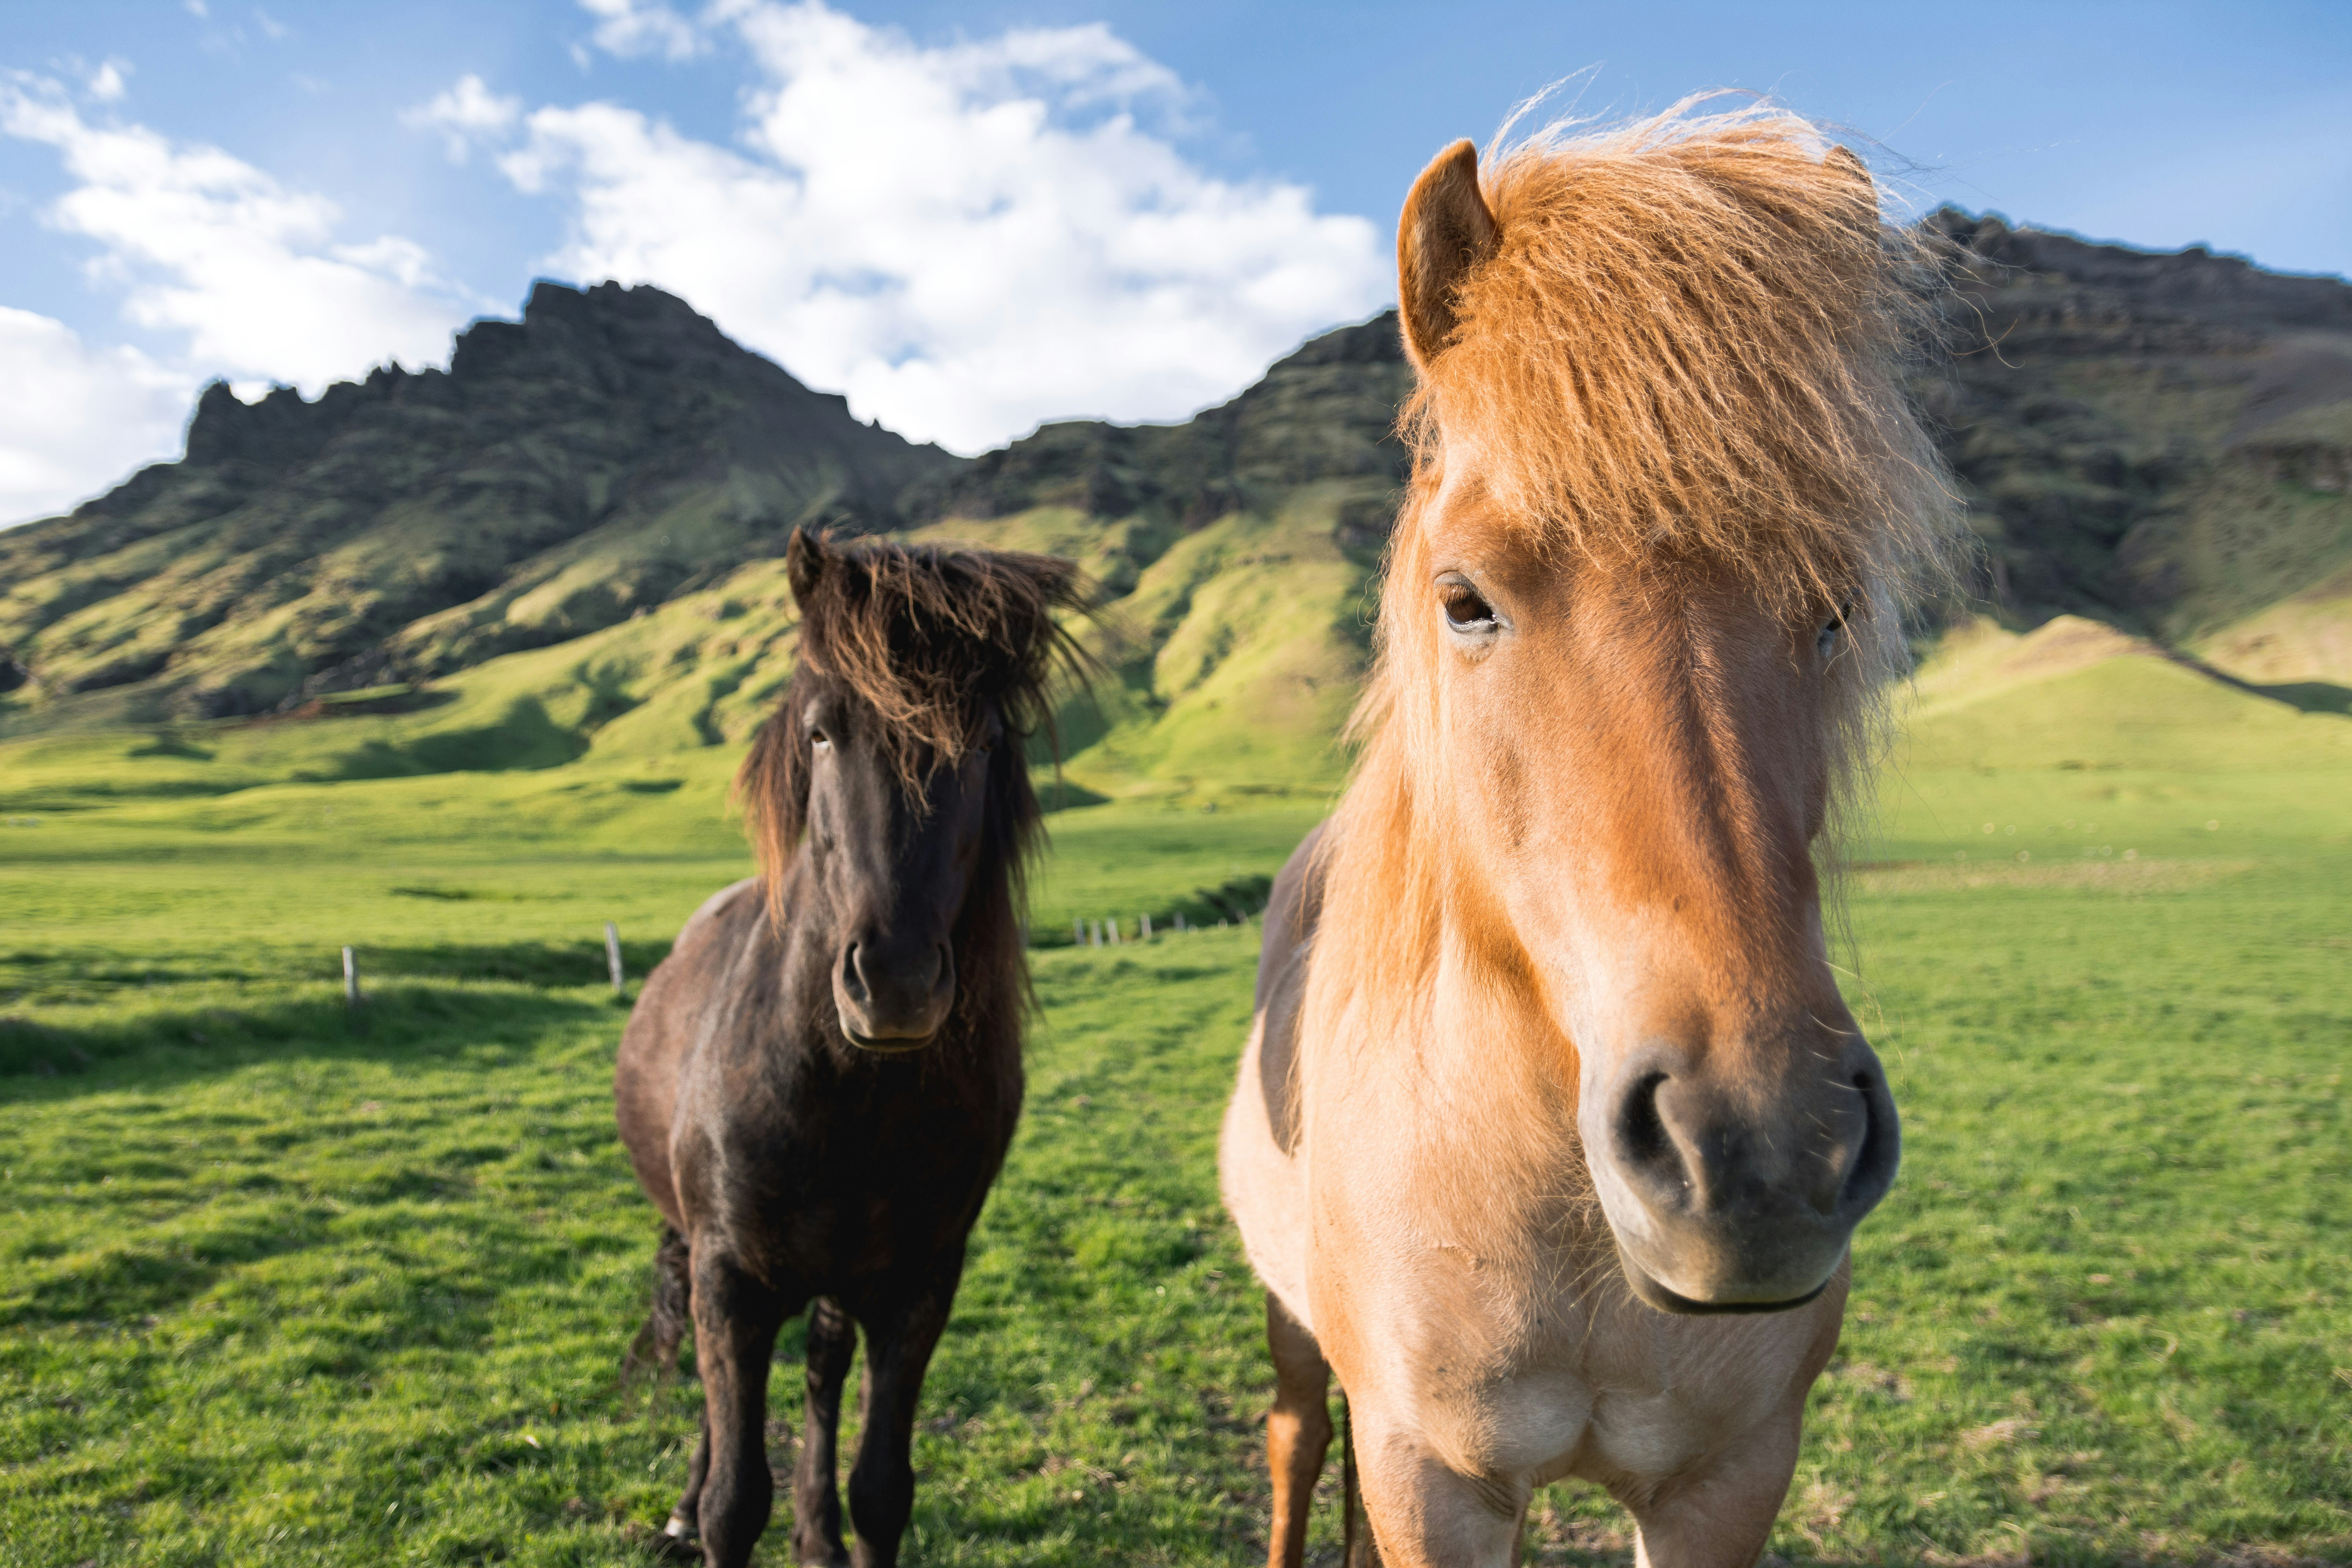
[819, 740]
[1465, 610]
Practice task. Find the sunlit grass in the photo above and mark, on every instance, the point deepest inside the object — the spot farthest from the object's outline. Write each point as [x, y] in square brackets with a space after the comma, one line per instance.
[286, 1285]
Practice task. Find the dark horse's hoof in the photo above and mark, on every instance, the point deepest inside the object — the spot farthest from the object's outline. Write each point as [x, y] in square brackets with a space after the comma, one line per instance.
[816, 1550]
[662, 1545]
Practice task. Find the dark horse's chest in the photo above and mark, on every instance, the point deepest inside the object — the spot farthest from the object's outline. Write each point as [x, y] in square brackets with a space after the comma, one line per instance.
[839, 1168]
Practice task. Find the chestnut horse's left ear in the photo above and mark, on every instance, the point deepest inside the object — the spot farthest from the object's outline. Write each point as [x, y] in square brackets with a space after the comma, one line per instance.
[1843, 160]
[1846, 161]
[804, 564]
[1445, 231]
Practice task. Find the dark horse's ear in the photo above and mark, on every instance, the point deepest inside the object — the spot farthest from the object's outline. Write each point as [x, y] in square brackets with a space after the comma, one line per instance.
[804, 564]
[1445, 231]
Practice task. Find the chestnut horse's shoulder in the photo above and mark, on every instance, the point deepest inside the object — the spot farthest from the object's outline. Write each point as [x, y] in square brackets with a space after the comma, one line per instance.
[1293, 909]
[1261, 1181]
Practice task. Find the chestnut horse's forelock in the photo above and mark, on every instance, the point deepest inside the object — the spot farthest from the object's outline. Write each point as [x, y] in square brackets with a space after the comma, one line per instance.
[925, 637]
[1682, 358]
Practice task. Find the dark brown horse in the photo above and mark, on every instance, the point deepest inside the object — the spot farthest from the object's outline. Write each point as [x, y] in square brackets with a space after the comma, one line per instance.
[818, 1085]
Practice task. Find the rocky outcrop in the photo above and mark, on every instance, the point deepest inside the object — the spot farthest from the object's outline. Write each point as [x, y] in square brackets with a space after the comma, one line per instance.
[2153, 439]
[1326, 411]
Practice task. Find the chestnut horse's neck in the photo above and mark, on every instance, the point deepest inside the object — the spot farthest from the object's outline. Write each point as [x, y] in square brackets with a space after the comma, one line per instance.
[1415, 937]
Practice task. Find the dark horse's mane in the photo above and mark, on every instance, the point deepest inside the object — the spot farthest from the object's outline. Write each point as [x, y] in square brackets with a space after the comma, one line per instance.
[928, 637]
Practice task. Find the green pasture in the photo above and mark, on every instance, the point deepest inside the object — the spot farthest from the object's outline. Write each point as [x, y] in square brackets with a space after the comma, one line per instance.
[283, 1285]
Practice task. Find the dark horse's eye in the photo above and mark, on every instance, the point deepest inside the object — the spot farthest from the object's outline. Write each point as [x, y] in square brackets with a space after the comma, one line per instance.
[1465, 610]
[819, 739]
[1832, 629]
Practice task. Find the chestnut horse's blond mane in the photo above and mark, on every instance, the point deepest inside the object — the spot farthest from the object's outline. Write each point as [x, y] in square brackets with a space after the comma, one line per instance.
[1685, 345]
[1682, 356]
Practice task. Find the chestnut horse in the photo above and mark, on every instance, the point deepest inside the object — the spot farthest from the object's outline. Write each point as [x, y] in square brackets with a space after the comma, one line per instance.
[818, 1086]
[1552, 1128]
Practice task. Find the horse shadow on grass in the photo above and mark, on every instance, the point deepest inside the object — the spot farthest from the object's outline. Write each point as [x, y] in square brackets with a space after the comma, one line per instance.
[401, 1015]
[551, 964]
[278, 1198]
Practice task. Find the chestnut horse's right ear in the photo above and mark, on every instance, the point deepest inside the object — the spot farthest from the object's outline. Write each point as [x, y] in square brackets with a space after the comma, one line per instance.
[804, 564]
[1445, 231]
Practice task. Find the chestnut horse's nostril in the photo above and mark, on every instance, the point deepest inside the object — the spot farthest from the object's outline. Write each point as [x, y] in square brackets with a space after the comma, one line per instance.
[1728, 1194]
[1647, 1150]
[1873, 1171]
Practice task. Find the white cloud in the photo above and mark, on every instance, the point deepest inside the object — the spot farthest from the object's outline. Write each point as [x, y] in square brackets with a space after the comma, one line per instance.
[633, 28]
[197, 8]
[203, 245]
[106, 83]
[966, 238]
[75, 419]
[465, 111]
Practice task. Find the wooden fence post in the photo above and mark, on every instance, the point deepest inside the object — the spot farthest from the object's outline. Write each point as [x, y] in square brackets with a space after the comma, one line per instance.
[612, 957]
[1147, 928]
[351, 979]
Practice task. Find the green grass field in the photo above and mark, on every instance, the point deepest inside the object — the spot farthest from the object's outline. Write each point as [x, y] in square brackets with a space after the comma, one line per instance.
[285, 1286]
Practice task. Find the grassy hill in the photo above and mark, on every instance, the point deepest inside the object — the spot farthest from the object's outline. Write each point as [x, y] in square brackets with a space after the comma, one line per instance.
[1235, 641]
[2077, 695]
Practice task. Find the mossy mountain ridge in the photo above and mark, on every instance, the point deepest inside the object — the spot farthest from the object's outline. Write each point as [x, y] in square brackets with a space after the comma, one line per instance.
[608, 450]
[584, 517]
[2161, 440]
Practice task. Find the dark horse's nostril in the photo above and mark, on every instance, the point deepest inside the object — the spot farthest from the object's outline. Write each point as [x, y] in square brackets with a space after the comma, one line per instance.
[868, 987]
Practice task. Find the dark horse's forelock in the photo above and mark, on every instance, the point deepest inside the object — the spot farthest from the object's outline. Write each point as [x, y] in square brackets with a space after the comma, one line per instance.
[928, 639]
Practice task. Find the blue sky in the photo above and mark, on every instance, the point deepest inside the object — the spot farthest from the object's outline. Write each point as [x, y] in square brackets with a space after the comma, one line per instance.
[973, 217]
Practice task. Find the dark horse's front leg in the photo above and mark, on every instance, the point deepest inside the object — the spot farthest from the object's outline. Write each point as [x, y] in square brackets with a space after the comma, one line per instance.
[736, 1317]
[816, 1481]
[899, 1339]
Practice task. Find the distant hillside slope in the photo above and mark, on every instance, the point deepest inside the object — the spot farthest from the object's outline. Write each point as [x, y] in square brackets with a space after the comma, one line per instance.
[566, 472]
[567, 546]
[2163, 441]
[1241, 545]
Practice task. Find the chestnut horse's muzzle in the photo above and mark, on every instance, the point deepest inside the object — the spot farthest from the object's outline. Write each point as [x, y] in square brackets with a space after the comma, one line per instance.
[893, 997]
[1728, 1192]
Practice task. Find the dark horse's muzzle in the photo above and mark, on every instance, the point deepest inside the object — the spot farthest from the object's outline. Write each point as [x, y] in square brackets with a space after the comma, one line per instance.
[893, 996]
[1736, 1197]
